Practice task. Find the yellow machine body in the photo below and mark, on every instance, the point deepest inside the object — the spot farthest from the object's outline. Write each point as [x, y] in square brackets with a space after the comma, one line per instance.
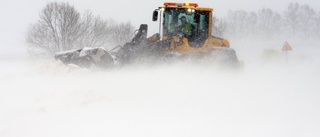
[181, 44]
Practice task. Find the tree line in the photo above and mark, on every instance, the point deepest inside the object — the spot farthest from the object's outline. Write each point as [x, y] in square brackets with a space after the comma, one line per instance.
[61, 27]
[297, 21]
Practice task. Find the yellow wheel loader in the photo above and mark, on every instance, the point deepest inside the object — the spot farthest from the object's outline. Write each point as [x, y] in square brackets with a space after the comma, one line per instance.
[184, 33]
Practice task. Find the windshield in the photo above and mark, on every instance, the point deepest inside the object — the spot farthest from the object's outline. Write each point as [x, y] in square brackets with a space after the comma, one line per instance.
[173, 20]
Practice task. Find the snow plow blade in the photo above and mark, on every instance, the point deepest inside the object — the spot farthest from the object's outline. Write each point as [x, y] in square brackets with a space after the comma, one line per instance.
[87, 57]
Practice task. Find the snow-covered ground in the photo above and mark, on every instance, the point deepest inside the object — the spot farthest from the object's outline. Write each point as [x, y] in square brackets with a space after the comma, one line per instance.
[269, 97]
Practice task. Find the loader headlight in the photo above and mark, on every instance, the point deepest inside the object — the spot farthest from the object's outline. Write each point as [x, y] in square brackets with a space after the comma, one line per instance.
[191, 10]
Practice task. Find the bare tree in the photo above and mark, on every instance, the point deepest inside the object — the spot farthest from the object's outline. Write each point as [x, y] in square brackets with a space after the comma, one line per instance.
[307, 16]
[121, 33]
[269, 23]
[241, 23]
[218, 26]
[251, 24]
[316, 25]
[95, 31]
[57, 29]
[298, 21]
[292, 18]
[61, 28]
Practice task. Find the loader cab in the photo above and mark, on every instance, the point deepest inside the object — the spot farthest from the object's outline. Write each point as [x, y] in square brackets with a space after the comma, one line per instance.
[198, 18]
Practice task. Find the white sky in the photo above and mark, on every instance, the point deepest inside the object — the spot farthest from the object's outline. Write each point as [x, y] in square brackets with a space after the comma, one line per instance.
[17, 15]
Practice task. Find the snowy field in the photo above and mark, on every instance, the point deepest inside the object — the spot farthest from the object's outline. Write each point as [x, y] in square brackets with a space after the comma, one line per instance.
[269, 97]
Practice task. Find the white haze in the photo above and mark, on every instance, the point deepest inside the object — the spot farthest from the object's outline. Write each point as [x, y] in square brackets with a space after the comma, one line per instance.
[268, 97]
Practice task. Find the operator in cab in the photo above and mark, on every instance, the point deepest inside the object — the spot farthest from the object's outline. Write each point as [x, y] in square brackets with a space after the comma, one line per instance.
[185, 27]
